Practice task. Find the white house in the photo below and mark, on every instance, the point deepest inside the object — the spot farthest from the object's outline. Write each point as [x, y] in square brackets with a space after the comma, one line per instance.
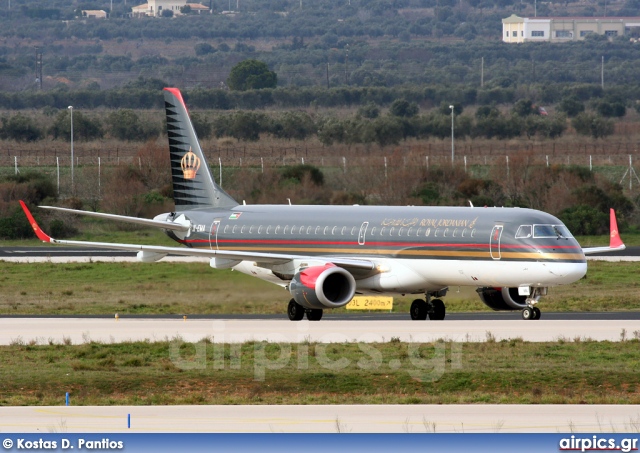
[155, 7]
[517, 29]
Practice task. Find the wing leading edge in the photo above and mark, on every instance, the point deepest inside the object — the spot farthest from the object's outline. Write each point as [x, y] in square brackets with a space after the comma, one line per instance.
[615, 242]
[272, 258]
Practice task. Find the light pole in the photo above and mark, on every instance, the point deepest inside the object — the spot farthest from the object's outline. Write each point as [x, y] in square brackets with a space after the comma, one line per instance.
[71, 111]
[452, 136]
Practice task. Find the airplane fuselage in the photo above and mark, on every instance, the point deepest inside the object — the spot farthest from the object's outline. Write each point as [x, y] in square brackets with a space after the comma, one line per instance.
[417, 249]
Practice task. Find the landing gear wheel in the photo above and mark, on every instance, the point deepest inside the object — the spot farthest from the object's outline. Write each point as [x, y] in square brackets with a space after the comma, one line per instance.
[314, 314]
[536, 313]
[418, 310]
[295, 311]
[527, 313]
[439, 310]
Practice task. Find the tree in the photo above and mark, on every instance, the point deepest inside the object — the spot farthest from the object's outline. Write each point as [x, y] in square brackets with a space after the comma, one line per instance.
[126, 125]
[251, 75]
[20, 128]
[571, 105]
[402, 107]
[84, 128]
[590, 124]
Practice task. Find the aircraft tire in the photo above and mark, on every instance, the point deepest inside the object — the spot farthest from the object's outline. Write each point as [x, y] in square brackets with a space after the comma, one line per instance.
[295, 311]
[439, 310]
[536, 313]
[527, 313]
[314, 314]
[418, 310]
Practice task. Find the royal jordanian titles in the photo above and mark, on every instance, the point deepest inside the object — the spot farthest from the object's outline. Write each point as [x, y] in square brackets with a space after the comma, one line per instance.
[324, 255]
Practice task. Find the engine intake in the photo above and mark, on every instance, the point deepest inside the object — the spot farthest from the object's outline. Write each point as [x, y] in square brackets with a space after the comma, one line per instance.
[502, 298]
[326, 286]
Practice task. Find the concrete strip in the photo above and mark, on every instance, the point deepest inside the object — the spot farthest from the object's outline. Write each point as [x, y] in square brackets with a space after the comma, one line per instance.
[452, 418]
[76, 331]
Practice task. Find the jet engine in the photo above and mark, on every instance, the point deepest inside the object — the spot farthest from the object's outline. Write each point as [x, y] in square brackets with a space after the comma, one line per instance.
[502, 298]
[326, 286]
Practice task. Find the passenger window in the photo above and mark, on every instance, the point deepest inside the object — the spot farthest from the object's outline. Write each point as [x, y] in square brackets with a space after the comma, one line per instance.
[446, 230]
[463, 232]
[244, 227]
[419, 232]
[524, 232]
[373, 231]
[435, 234]
[235, 227]
[455, 232]
[400, 231]
[277, 229]
[326, 230]
[226, 228]
[410, 231]
[428, 232]
[308, 230]
[391, 230]
[333, 230]
[269, 229]
[251, 229]
[344, 229]
[286, 229]
[353, 231]
[293, 229]
[473, 232]
[260, 229]
[317, 230]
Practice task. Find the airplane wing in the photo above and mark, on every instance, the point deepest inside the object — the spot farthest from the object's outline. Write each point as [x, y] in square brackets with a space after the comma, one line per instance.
[273, 258]
[615, 242]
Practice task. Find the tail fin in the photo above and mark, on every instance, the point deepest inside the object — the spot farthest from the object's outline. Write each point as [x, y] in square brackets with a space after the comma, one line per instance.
[193, 185]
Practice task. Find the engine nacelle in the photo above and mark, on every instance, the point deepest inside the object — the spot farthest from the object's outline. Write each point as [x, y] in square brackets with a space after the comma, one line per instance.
[502, 298]
[326, 286]
[149, 257]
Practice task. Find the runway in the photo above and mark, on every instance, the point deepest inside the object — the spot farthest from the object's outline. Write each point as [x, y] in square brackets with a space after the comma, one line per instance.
[450, 418]
[84, 330]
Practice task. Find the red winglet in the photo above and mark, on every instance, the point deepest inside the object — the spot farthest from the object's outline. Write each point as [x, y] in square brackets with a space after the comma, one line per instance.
[614, 239]
[41, 234]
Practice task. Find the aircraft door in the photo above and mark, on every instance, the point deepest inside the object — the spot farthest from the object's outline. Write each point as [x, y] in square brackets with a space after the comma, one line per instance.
[213, 234]
[494, 242]
[363, 233]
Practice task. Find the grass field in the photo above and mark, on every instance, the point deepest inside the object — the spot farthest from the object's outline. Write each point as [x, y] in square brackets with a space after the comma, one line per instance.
[195, 288]
[576, 372]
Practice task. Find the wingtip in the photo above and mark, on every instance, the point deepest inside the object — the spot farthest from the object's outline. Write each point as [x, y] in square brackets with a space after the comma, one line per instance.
[36, 228]
[614, 236]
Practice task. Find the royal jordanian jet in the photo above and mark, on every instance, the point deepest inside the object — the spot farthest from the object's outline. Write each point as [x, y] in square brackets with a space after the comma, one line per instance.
[324, 255]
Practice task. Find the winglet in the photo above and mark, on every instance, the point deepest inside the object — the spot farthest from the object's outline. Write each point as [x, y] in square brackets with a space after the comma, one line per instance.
[41, 234]
[614, 239]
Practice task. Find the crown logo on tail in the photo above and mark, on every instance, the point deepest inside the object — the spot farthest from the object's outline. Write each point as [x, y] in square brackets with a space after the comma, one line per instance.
[190, 164]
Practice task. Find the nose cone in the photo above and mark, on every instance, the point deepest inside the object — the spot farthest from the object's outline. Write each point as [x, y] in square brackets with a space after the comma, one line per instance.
[566, 273]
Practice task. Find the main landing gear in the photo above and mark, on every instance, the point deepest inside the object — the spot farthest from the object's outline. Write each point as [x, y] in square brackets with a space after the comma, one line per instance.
[296, 312]
[434, 308]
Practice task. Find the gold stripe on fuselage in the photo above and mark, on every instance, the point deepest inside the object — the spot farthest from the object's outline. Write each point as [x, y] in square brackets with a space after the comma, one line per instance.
[532, 256]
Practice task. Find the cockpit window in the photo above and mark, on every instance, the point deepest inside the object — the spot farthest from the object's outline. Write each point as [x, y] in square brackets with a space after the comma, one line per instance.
[524, 232]
[551, 231]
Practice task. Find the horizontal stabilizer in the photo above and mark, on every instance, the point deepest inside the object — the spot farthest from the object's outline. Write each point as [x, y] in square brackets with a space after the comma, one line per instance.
[123, 218]
[615, 242]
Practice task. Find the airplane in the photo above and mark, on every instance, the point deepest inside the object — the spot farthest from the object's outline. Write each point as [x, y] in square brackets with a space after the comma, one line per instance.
[324, 255]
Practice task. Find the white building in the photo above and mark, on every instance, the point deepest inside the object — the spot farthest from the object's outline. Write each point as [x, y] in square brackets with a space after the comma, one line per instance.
[155, 7]
[517, 29]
